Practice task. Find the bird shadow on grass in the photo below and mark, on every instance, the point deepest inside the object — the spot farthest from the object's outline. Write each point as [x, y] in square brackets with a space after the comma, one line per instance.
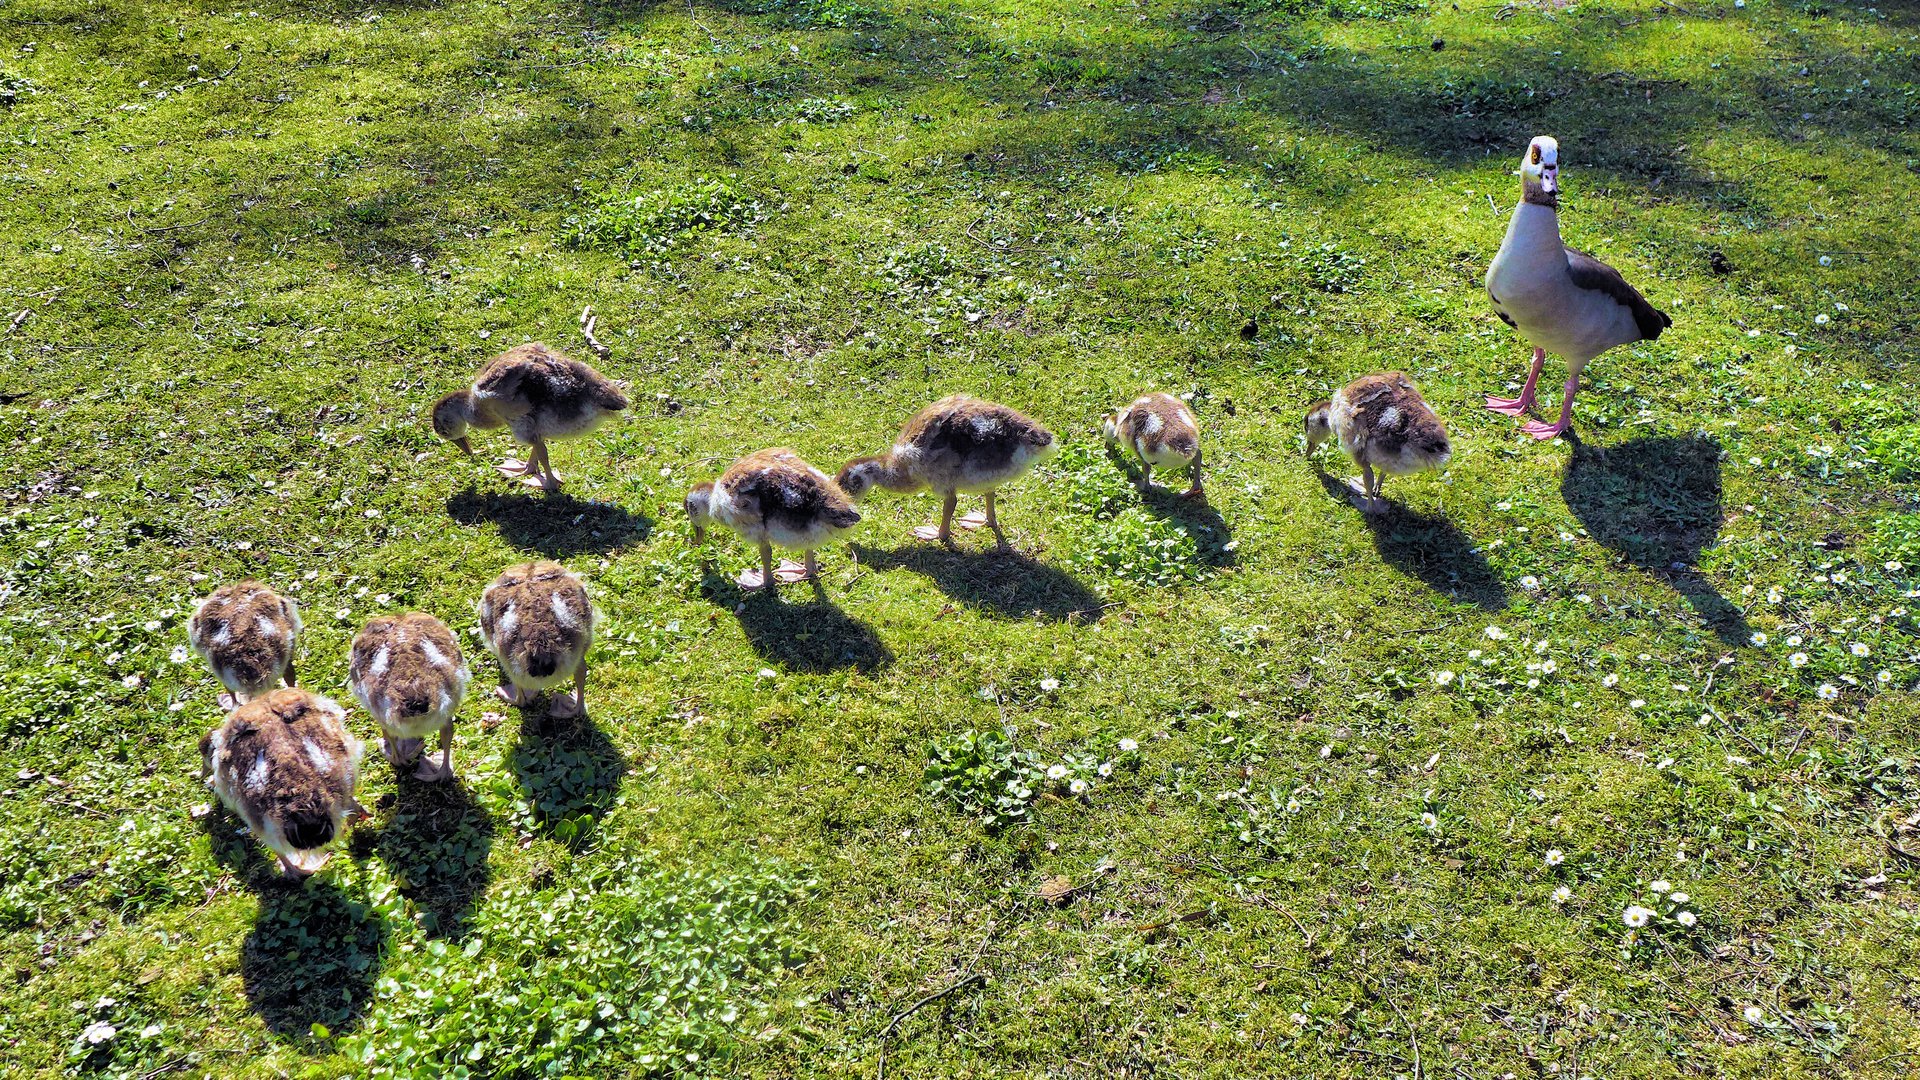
[435, 844]
[1212, 538]
[1431, 548]
[570, 772]
[313, 953]
[813, 636]
[1656, 501]
[1008, 585]
[556, 526]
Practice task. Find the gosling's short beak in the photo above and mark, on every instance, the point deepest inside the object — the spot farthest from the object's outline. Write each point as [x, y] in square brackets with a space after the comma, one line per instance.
[464, 444]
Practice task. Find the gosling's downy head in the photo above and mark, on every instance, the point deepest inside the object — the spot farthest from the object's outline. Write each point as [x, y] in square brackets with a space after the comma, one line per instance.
[699, 504]
[451, 416]
[1319, 424]
[857, 477]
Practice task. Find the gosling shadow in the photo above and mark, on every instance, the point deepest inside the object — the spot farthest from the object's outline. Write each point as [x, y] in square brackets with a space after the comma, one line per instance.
[311, 958]
[1656, 502]
[436, 845]
[813, 636]
[1212, 538]
[1006, 585]
[1431, 548]
[570, 771]
[556, 526]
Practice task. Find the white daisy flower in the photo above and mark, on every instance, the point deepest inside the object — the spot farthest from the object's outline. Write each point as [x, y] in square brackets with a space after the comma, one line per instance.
[1429, 821]
[1494, 633]
[1859, 648]
[1798, 660]
[1049, 685]
[1793, 641]
[1078, 787]
[1443, 677]
[1529, 582]
[1679, 898]
[1636, 916]
[1753, 1014]
[1555, 856]
[1105, 769]
[131, 682]
[1610, 680]
[1637, 703]
[1548, 667]
[1758, 639]
[1128, 746]
[1562, 894]
[1884, 676]
[1662, 885]
[1056, 772]
[152, 625]
[1293, 806]
[98, 1032]
[1685, 918]
[181, 654]
[1774, 596]
[1827, 691]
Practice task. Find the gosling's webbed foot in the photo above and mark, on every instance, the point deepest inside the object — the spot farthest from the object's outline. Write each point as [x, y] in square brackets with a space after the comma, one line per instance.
[512, 467]
[564, 706]
[790, 572]
[429, 770]
[227, 701]
[509, 693]
[1543, 431]
[752, 580]
[975, 520]
[929, 532]
[402, 752]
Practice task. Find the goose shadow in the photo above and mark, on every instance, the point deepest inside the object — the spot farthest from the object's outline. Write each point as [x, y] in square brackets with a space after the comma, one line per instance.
[1006, 585]
[311, 957]
[556, 526]
[1656, 502]
[1431, 548]
[570, 772]
[1212, 538]
[814, 636]
[436, 844]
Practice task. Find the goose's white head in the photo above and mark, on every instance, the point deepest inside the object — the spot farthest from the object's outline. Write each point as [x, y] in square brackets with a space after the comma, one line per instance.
[1539, 170]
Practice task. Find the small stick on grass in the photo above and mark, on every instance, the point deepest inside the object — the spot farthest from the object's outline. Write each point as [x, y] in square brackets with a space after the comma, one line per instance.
[588, 320]
[19, 317]
[880, 1072]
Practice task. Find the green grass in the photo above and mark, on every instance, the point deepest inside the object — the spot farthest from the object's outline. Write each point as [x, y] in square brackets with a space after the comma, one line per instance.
[257, 240]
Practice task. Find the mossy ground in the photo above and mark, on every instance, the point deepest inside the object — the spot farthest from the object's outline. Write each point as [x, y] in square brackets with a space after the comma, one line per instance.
[257, 240]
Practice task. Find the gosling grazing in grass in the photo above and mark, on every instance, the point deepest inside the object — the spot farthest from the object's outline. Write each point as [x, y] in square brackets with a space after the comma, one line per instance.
[1386, 427]
[245, 633]
[408, 672]
[957, 444]
[772, 499]
[537, 621]
[288, 766]
[1161, 432]
[538, 394]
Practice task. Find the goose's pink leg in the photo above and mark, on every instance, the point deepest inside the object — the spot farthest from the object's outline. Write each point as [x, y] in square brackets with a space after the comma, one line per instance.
[1544, 432]
[944, 533]
[755, 579]
[1516, 406]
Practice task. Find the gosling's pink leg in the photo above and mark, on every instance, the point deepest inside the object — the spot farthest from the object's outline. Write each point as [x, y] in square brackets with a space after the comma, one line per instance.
[944, 534]
[1544, 432]
[1516, 406]
[571, 705]
[759, 578]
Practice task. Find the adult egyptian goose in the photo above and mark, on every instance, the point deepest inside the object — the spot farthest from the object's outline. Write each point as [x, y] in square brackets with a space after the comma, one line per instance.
[537, 621]
[538, 394]
[772, 499]
[1563, 301]
[957, 444]
[408, 672]
[245, 631]
[1384, 424]
[1161, 431]
[288, 766]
